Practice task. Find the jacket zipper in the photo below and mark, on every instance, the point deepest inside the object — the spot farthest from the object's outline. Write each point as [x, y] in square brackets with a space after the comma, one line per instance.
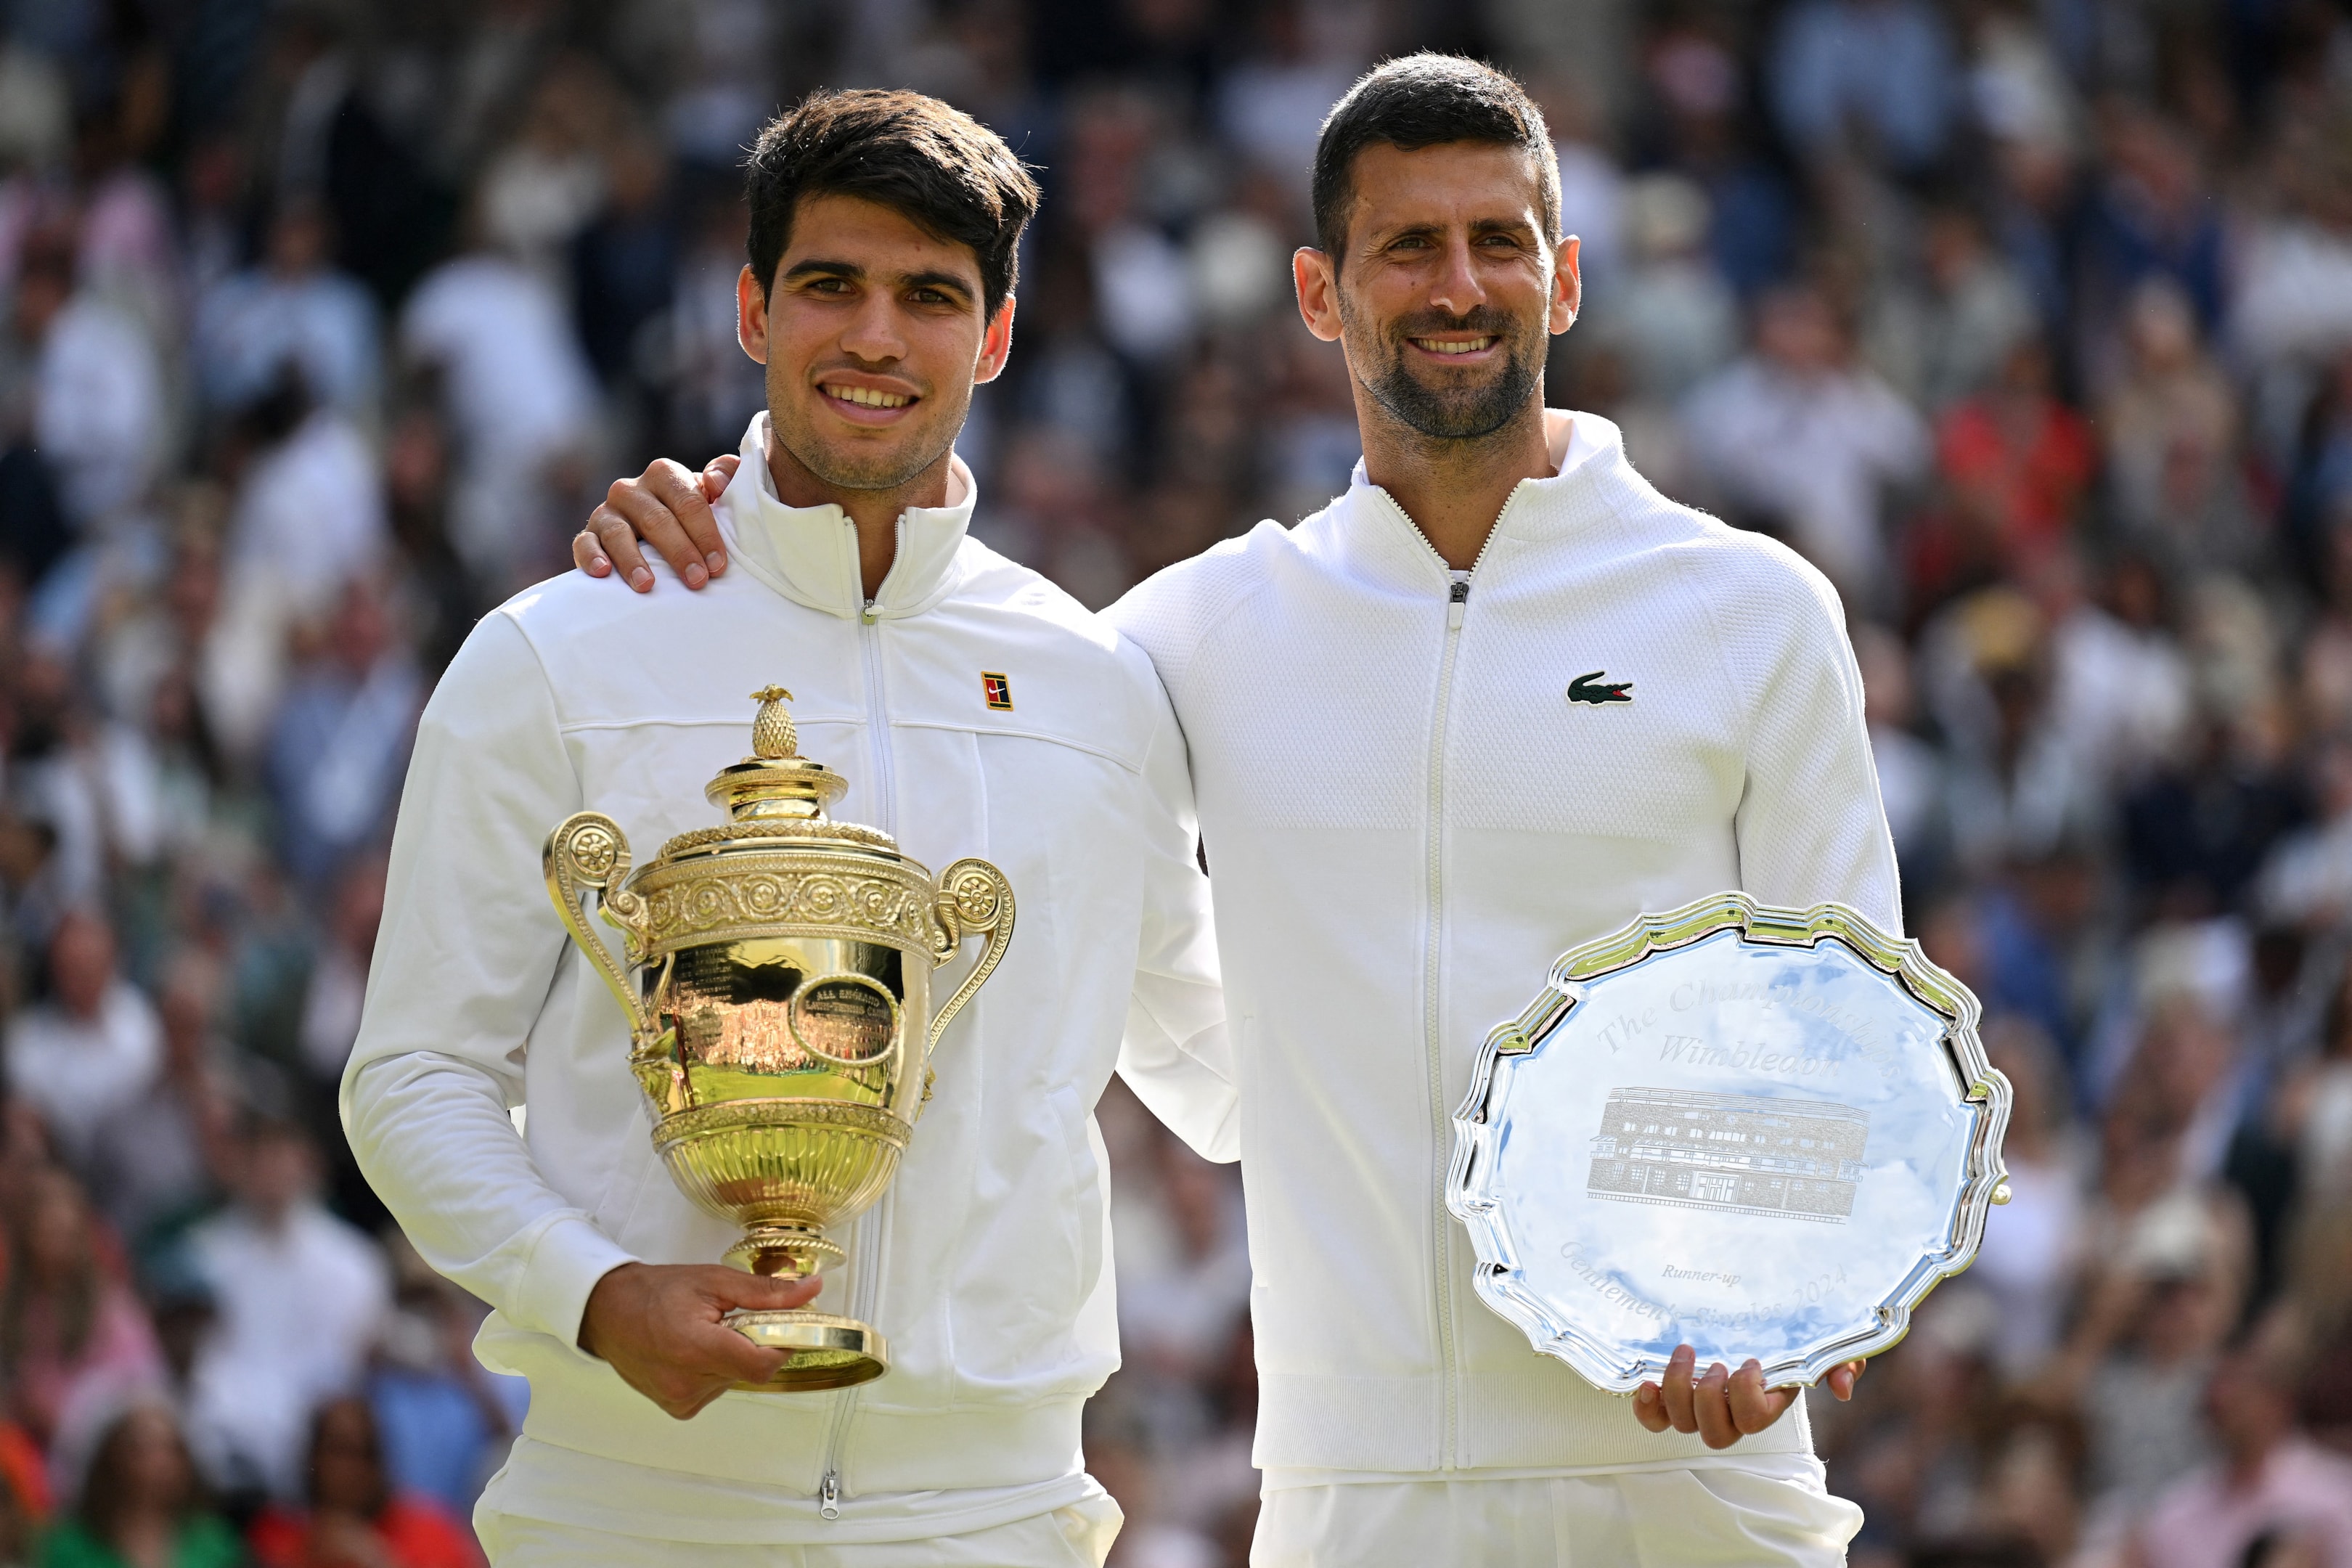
[1457, 606]
[871, 1233]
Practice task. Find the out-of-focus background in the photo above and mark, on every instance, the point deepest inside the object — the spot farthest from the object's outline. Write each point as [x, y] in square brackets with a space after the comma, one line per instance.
[323, 324]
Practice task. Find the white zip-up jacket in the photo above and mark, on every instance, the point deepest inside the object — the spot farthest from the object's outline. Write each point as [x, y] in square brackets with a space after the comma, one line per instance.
[1407, 820]
[984, 1265]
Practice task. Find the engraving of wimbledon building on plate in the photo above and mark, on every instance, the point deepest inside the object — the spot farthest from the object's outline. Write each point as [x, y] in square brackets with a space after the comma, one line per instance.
[1751, 1153]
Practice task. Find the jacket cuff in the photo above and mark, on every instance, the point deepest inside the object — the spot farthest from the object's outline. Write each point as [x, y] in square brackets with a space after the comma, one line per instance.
[569, 1255]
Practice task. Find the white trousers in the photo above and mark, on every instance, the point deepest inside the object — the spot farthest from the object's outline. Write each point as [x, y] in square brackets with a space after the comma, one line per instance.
[1079, 1536]
[1694, 1518]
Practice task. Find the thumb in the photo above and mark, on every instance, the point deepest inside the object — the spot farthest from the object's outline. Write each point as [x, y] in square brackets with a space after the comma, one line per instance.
[757, 1293]
[718, 474]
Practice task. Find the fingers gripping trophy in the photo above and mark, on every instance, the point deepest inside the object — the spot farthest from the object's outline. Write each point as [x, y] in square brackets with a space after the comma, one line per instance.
[776, 974]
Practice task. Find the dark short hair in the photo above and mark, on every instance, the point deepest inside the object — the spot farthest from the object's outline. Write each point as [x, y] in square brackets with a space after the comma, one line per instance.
[945, 171]
[1423, 101]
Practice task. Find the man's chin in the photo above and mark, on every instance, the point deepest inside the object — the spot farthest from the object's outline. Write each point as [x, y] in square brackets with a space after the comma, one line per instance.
[1453, 419]
[868, 466]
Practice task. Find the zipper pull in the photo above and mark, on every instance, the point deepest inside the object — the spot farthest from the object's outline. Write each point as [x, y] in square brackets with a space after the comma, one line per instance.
[1456, 599]
[868, 614]
[828, 1495]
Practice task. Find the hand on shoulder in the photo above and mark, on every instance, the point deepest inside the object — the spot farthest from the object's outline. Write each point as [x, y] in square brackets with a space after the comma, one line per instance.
[667, 507]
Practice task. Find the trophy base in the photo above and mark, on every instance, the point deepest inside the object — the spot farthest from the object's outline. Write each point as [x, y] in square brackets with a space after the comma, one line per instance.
[822, 1351]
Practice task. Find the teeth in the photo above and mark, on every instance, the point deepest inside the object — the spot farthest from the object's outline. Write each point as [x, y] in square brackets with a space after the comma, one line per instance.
[865, 397]
[1453, 345]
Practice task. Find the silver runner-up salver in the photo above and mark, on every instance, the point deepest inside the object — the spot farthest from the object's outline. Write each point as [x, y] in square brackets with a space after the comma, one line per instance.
[1762, 1133]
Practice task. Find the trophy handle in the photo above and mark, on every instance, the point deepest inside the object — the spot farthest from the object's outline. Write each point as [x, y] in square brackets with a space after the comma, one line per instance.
[973, 897]
[589, 853]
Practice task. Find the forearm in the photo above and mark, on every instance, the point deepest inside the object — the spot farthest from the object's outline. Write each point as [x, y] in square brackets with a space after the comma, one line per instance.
[1811, 827]
[1188, 1082]
[469, 946]
[433, 1136]
[1176, 1053]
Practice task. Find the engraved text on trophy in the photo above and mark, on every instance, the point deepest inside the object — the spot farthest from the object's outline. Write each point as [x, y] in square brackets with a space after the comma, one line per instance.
[1749, 1152]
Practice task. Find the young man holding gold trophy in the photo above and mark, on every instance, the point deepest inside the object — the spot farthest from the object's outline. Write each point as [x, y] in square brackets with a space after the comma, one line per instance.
[1523, 699]
[769, 1031]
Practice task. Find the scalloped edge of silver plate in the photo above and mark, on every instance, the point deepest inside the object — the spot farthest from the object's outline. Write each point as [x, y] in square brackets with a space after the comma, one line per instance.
[1469, 1195]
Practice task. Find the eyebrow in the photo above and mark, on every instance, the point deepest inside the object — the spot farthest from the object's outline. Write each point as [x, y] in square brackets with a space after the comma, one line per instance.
[821, 266]
[1484, 225]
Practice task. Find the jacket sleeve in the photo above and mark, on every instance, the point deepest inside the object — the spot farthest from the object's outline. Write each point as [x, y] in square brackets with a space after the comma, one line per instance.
[464, 956]
[1177, 1056]
[1811, 828]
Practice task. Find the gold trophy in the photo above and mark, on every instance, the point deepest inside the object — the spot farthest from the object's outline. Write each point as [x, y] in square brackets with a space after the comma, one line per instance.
[781, 1023]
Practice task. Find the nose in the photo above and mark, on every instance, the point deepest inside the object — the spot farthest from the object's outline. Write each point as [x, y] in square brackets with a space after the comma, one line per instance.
[1457, 289]
[873, 334]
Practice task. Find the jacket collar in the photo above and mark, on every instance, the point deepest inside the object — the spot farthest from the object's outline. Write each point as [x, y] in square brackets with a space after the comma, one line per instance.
[809, 553]
[1374, 534]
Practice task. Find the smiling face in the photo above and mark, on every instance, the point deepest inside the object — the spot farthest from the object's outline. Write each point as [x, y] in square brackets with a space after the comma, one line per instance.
[1448, 285]
[873, 338]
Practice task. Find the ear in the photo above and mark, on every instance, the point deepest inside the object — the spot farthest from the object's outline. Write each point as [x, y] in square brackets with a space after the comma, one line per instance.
[1316, 275]
[995, 345]
[1567, 285]
[751, 315]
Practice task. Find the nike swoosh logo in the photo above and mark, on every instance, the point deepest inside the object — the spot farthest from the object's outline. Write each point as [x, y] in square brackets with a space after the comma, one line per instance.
[1594, 689]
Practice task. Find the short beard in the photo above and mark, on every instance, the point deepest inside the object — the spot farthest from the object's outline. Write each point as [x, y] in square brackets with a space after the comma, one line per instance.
[1467, 413]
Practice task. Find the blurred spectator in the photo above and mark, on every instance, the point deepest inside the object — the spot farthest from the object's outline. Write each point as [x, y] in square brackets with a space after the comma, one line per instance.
[293, 310]
[1945, 337]
[2016, 464]
[443, 1416]
[97, 389]
[1800, 441]
[2271, 1491]
[161, 1157]
[2020, 787]
[1869, 77]
[90, 1051]
[1706, 132]
[142, 1504]
[2171, 430]
[625, 264]
[340, 746]
[541, 190]
[1673, 314]
[355, 1516]
[521, 396]
[1910, 772]
[2150, 219]
[307, 517]
[301, 1296]
[714, 387]
[2030, 1257]
[71, 1333]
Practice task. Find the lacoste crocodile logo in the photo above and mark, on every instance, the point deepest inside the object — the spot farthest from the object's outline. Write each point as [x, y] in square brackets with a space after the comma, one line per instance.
[1594, 689]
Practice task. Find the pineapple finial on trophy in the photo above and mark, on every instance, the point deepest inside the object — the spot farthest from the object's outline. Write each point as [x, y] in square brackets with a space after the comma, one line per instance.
[773, 738]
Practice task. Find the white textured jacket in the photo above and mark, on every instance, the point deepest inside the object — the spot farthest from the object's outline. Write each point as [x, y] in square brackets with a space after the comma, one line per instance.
[984, 1264]
[1407, 818]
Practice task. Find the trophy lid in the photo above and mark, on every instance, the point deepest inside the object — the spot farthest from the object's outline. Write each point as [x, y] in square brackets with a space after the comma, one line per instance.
[775, 781]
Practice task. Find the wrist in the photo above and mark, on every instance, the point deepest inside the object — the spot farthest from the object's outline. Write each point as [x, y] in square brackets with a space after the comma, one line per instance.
[600, 1303]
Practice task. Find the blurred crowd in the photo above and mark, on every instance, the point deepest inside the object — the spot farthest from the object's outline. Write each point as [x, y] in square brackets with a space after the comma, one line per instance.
[322, 323]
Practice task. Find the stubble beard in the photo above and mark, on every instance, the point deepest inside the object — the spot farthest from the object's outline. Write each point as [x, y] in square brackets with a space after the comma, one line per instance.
[1450, 413]
[845, 467]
